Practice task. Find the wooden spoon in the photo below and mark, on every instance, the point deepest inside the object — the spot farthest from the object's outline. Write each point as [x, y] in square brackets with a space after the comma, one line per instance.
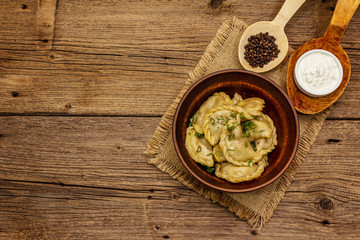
[343, 13]
[274, 28]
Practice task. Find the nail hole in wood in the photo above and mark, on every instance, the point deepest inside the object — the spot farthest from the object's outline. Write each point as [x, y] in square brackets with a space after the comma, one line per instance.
[1, 135]
[331, 140]
[165, 58]
[45, 41]
[68, 106]
[152, 190]
[215, 3]
[325, 222]
[52, 56]
[24, 6]
[166, 237]
[156, 227]
[149, 197]
[14, 94]
[326, 204]
[253, 232]
[118, 147]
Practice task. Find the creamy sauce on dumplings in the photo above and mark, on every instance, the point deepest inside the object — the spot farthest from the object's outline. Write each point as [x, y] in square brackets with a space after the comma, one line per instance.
[231, 137]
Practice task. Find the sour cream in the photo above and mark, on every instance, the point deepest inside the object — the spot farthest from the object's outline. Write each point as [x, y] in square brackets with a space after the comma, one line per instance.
[318, 73]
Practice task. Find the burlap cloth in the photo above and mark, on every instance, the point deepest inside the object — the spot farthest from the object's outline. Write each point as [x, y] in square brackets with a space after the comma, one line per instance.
[257, 206]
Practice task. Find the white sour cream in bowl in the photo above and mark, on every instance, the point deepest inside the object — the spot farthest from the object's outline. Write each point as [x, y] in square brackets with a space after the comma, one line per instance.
[318, 73]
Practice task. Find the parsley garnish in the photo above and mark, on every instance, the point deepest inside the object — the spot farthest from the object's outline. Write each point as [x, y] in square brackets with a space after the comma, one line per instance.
[251, 163]
[198, 149]
[230, 149]
[212, 121]
[230, 128]
[193, 120]
[231, 137]
[242, 116]
[218, 153]
[199, 135]
[246, 144]
[209, 154]
[210, 169]
[266, 162]
[233, 115]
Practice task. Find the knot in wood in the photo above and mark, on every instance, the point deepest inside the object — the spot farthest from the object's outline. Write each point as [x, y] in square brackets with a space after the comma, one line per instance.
[326, 204]
[68, 106]
[174, 195]
[215, 3]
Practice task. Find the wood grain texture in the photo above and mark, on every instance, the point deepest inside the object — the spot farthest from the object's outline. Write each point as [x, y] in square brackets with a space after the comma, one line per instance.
[77, 184]
[107, 56]
[85, 177]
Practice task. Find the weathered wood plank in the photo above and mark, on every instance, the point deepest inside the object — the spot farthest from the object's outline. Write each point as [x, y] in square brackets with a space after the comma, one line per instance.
[313, 207]
[108, 151]
[132, 57]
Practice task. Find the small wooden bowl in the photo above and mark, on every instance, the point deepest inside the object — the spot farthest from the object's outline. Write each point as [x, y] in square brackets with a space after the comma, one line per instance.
[248, 84]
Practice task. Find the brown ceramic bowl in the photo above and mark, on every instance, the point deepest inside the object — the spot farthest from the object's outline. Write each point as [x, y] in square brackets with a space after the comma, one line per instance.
[247, 84]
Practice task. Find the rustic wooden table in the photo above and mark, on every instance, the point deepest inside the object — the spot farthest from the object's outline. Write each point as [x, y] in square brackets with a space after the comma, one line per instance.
[83, 87]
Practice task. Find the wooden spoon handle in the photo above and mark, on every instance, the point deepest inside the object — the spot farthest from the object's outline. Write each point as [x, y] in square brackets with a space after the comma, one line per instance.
[343, 13]
[287, 11]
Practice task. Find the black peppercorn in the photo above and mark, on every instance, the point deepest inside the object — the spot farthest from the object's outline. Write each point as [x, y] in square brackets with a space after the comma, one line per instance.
[261, 49]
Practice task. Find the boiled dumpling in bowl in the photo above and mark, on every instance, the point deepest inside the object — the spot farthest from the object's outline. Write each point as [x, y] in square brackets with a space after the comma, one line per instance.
[215, 100]
[236, 174]
[234, 134]
[198, 148]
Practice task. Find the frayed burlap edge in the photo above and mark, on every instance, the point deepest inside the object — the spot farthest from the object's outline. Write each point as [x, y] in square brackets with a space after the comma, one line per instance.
[162, 132]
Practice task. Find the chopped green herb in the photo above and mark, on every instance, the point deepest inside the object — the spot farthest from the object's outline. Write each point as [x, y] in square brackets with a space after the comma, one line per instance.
[246, 144]
[209, 154]
[266, 162]
[242, 116]
[199, 135]
[230, 128]
[210, 169]
[198, 149]
[220, 118]
[251, 163]
[255, 117]
[229, 149]
[231, 137]
[193, 120]
[233, 115]
[253, 145]
[218, 153]
[262, 130]
[212, 121]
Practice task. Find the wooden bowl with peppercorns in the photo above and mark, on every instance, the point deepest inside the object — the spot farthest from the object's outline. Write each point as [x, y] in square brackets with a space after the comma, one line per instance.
[249, 85]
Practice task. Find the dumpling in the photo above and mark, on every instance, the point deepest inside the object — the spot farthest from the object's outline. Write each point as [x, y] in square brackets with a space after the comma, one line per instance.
[215, 123]
[236, 147]
[237, 98]
[215, 100]
[266, 145]
[218, 154]
[198, 148]
[236, 174]
[261, 129]
[217, 118]
[253, 105]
